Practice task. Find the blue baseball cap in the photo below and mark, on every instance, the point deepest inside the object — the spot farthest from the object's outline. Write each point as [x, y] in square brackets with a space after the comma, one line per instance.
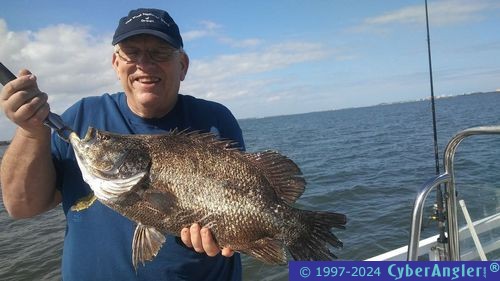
[148, 21]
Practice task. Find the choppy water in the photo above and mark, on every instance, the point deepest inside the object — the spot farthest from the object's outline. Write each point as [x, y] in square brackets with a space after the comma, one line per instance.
[365, 162]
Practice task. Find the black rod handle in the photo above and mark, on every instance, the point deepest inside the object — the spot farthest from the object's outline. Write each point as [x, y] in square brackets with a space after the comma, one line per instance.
[6, 75]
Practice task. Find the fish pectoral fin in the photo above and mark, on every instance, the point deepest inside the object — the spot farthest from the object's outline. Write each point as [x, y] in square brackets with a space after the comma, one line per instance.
[84, 203]
[162, 201]
[146, 244]
[268, 250]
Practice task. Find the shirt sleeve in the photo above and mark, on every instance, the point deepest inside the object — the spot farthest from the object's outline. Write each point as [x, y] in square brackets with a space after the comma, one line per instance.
[230, 129]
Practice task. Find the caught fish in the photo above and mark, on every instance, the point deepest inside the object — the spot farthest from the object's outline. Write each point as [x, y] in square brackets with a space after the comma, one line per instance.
[167, 182]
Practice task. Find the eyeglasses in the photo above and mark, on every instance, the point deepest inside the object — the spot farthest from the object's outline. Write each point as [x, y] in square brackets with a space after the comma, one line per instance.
[133, 55]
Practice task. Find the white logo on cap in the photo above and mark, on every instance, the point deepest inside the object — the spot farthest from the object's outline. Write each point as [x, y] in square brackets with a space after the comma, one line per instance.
[147, 18]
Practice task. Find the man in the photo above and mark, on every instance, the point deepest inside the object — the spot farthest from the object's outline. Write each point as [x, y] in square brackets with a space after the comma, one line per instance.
[39, 171]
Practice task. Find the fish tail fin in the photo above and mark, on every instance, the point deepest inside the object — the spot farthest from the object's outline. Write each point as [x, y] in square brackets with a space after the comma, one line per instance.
[314, 241]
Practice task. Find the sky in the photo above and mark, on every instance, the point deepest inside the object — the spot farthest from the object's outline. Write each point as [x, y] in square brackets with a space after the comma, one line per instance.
[265, 58]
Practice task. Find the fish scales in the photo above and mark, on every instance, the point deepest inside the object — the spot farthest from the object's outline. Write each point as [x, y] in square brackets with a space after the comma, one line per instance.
[211, 180]
[167, 182]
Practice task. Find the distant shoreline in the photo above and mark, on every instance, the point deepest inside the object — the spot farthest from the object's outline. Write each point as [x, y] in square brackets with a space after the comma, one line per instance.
[497, 91]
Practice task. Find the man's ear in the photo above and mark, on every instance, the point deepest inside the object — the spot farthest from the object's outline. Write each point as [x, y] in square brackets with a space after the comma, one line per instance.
[114, 63]
[184, 65]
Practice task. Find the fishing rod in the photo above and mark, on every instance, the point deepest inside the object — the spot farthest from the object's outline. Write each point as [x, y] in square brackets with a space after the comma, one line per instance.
[439, 209]
[52, 121]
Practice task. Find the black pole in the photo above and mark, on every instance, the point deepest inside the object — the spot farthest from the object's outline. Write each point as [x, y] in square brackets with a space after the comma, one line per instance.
[439, 195]
[436, 152]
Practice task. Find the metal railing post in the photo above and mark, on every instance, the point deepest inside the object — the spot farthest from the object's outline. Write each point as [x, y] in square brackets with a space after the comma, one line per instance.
[450, 196]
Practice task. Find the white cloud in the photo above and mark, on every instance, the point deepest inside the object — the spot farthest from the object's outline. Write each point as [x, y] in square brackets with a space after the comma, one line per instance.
[207, 29]
[214, 30]
[266, 59]
[245, 43]
[71, 63]
[247, 74]
[68, 61]
[445, 12]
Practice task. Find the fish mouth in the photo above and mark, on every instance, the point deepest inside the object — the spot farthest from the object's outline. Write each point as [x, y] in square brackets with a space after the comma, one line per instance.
[85, 144]
[80, 146]
[89, 139]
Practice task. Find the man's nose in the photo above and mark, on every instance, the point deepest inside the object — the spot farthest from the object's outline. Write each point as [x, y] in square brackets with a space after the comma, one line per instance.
[145, 58]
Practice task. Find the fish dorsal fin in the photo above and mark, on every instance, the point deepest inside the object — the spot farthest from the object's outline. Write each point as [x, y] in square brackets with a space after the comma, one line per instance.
[205, 138]
[282, 173]
[268, 250]
[146, 244]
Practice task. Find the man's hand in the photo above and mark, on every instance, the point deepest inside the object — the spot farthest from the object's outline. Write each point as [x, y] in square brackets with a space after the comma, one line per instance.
[202, 241]
[24, 104]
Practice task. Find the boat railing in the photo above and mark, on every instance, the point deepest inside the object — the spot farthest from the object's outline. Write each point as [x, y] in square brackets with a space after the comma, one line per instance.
[448, 180]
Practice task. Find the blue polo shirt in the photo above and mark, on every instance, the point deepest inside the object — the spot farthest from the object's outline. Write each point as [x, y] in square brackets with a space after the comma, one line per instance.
[98, 241]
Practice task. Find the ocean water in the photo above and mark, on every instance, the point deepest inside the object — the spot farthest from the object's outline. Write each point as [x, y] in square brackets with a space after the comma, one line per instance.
[365, 162]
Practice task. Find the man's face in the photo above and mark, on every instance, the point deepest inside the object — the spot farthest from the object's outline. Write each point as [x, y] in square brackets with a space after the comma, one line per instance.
[150, 71]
